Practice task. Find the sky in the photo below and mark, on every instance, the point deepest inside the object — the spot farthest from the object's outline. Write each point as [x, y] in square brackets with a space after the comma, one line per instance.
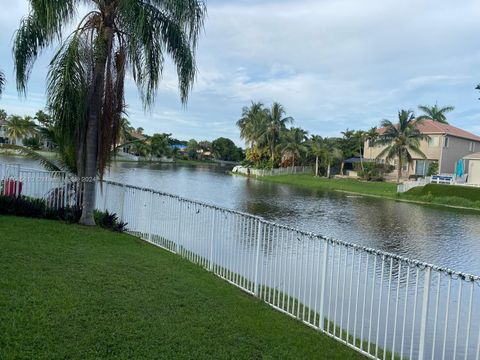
[333, 64]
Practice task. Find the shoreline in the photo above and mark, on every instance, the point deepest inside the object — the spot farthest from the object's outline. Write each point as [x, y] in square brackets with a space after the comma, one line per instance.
[379, 190]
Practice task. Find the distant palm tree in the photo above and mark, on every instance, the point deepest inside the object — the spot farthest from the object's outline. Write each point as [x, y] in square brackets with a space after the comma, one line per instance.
[85, 90]
[2, 81]
[252, 124]
[401, 140]
[276, 123]
[18, 127]
[293, 143]
[372, 137]
[435, 113]
[317, 150]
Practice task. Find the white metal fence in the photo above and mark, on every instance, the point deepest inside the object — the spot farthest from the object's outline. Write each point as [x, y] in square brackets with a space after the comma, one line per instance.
[368, 299]
[273, 172]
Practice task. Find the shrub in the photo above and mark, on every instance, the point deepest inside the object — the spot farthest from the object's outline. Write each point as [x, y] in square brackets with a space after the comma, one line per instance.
[432, 169]
[373, 171]
[37, 208]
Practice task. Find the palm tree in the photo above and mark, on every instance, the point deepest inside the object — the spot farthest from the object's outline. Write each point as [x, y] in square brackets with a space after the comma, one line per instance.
[18, 127]
[330, 153]
[401, 140]
[85, 89]
[372, 137]
[293, 143]
[435, 113]
[360, 137]
[317, 150]
[2, 81]
[276, 123]
[253, 123]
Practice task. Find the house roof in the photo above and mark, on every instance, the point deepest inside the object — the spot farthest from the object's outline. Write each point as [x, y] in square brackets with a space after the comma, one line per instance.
[430, 127]
[137, 135]
[474, 156]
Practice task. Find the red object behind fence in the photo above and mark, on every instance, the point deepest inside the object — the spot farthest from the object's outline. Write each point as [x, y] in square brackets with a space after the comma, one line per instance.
[10, 187]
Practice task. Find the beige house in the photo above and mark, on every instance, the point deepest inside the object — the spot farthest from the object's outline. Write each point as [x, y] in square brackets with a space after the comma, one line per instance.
[472, 168]
[447, 144]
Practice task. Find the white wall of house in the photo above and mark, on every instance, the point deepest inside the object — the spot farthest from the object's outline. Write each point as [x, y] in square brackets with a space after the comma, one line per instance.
[474, 171]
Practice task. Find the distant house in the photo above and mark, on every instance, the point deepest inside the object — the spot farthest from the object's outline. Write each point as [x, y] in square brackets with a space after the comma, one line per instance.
[447, 145]
[472, 168]
[129, 147]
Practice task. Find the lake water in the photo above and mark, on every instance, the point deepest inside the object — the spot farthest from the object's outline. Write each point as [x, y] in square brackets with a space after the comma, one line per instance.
[441, 236]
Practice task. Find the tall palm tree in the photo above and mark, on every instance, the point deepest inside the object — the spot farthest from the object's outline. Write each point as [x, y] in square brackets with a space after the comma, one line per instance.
[252, 124]
[276, 123]
[2, 81]
[85, 89]
[317, 149]
[401, 140]
[435, 113]
[293, 143]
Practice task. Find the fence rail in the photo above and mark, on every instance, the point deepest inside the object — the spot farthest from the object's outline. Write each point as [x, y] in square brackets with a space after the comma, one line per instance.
[380, 304]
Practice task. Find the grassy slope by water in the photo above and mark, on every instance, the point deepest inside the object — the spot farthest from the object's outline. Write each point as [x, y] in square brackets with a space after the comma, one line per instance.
[461, 196]
[68, 291]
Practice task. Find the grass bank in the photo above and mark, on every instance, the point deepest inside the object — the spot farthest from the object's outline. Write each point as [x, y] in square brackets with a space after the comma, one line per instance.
[72, 292]
[435, 194]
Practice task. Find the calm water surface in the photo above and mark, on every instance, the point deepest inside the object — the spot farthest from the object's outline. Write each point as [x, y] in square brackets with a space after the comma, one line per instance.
[441, 236]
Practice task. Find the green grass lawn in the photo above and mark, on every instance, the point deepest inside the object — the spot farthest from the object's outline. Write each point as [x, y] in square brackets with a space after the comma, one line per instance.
[456, 196]
[352, 185]
[70, 292]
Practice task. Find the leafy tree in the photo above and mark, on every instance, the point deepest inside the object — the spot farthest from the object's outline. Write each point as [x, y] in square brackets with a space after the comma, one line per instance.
[225, 149]
[401, 140]
[3, 115]
[191, 149]
[435, 113]
[160, 145]
[85, 90]
[139, 130]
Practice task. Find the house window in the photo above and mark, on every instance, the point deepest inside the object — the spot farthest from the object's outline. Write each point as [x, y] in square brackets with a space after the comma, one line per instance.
[445, 144]
[433, 141]
[471, 148]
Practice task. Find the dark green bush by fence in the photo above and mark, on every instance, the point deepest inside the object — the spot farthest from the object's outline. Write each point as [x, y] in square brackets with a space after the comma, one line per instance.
[37, 208]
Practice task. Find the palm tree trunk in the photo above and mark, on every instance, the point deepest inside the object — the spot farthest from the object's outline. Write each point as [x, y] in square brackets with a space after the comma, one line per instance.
[361, 158]
[399, 176]
[316, 166]
[92, 134]
[328, 171]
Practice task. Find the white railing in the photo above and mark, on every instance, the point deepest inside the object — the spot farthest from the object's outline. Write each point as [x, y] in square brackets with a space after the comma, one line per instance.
[368, 299]
[273, 172]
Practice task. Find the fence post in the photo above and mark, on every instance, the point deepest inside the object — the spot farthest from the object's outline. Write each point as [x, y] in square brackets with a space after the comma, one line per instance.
[177, 245]
[423, 323]
[122, 202]
[17, 183]
[259, 239]
[323, 282]
[150, 216]
[212, 236]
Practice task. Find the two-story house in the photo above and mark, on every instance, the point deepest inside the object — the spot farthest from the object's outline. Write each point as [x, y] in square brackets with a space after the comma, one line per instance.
[446, 145]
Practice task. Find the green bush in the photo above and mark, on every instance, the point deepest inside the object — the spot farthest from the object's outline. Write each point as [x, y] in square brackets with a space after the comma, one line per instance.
[37, 208]
[432, 169]
[373, 171]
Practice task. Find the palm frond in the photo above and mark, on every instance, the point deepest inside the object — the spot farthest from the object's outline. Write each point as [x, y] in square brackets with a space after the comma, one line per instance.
[48, 164]
[2, 82]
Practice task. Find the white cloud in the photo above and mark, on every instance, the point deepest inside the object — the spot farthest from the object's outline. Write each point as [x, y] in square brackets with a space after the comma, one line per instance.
[332, 63]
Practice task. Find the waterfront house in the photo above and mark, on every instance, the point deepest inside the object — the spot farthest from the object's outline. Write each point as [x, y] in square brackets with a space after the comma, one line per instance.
[446, 145]
[4, 139]
[472, 168]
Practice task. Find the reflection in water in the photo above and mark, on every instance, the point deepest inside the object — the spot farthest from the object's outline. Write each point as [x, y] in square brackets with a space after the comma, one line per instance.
[441, 236]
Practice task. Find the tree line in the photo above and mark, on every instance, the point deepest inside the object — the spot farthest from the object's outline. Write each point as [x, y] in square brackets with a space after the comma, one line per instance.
[272, 143]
